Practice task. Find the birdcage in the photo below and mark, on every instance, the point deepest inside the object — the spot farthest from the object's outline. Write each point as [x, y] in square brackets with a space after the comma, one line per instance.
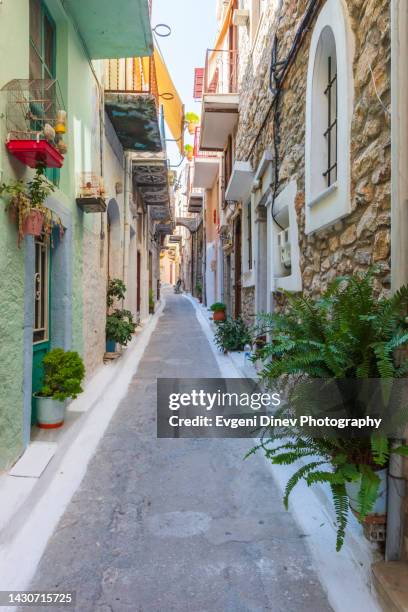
[35, 122]
[91, 192]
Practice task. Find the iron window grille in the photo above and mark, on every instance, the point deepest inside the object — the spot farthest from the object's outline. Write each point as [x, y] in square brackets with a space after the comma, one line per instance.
[330, 134]
[249, 222]
[41, 291]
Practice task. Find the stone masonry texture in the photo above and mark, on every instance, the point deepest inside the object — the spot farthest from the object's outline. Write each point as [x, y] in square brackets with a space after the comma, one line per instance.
[363, 237]
[177, 525]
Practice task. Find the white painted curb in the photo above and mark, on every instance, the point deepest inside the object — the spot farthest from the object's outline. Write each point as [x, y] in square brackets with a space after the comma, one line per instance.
[22, 547]
[346, 576]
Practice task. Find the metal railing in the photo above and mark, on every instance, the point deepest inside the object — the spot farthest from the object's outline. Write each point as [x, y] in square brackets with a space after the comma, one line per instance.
[197, 151]
[221, 71]
[132, 75]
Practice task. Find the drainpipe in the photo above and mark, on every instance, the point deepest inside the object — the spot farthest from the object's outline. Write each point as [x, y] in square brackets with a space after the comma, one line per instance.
[399, 254]
[126, 226]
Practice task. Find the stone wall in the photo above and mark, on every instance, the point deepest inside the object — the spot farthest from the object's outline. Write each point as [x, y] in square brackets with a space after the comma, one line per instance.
[248, 304]
[363, 237]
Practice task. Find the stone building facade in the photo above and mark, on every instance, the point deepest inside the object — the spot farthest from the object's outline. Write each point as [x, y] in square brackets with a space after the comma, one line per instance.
[362, 237]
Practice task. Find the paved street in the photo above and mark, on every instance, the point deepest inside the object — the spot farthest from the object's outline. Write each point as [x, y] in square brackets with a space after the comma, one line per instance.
[177, 525]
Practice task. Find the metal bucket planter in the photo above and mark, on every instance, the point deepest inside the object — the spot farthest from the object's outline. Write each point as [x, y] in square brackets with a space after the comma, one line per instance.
[380, 507]
[110, 346]
[50, 412]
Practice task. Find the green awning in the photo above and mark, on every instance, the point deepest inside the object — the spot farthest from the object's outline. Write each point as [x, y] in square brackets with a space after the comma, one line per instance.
[113, 28]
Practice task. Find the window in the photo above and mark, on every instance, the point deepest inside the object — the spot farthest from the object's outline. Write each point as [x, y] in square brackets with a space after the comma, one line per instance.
[42, 54]
[249, 231]
[330, 134]
[42, 42]
[328, 124]
[41, 291]
[257, 10]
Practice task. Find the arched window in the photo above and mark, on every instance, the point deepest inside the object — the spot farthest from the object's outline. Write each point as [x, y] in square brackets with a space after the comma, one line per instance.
[329, 104]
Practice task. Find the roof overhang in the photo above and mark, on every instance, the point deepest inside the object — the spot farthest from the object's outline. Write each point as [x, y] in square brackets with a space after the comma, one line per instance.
[135, 120]
[112, 29]
[218, 119]
[240, 183]
[205, 172]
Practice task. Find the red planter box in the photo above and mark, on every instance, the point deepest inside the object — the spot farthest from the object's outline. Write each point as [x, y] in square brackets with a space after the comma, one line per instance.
[31, 153]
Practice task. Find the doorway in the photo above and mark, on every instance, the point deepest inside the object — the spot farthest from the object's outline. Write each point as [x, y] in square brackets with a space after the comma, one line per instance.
[138, 281]
[42, 301]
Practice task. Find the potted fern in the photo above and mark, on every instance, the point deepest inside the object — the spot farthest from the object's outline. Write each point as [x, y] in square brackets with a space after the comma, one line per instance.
[347, 334]
[63, 374]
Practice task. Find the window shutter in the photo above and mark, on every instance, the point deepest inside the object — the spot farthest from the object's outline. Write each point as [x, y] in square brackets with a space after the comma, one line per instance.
[198, 83]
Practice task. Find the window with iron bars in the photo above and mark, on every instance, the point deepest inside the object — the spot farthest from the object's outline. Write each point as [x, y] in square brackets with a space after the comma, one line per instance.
[330, 134]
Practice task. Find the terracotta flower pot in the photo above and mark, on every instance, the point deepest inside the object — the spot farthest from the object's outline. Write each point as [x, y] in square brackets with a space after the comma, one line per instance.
[33, 223]
[191, 128]
[219, 315]
[190, 156]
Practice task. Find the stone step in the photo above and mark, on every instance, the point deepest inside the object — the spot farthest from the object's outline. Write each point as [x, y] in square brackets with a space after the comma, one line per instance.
[391, 582]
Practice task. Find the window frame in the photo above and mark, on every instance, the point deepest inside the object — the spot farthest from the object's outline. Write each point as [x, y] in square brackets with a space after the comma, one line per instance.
[326, 205]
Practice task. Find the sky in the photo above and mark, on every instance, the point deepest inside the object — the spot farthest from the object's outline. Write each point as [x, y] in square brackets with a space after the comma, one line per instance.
[193, 30]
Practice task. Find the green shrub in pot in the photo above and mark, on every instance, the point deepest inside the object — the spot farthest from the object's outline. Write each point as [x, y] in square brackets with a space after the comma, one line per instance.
[63, 375]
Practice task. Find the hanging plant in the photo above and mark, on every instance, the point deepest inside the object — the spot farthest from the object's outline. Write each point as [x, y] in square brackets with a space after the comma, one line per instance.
[25, 205]
[192, 121]
[189, 152]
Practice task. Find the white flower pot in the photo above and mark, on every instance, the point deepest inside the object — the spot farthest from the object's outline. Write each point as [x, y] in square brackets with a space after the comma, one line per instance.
[50, 412]
[380, 506]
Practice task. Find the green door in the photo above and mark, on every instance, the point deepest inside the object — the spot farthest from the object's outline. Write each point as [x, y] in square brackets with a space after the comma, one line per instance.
[42, 300]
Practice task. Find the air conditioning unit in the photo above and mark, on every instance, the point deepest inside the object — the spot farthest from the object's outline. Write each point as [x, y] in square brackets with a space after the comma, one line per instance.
[240, 17]
[284, 248]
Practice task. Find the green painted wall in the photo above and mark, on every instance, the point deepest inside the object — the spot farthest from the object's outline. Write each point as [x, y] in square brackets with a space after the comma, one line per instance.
[78, 88]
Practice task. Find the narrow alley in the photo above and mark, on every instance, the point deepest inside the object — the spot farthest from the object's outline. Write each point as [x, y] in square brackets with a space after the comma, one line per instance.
[185, 525]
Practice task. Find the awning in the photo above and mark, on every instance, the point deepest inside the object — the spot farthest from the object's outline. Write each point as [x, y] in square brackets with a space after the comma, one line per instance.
[170, 100]
[113, 29]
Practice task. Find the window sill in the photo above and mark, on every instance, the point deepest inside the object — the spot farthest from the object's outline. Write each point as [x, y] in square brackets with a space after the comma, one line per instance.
[323, 195]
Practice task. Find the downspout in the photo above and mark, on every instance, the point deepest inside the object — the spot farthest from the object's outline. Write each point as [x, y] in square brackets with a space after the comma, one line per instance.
[399, 256]
[126, 226]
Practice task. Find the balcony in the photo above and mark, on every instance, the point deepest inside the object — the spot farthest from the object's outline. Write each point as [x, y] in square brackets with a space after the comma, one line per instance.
[206, 165]
[132, 102]
[195, 200]
[220, 99]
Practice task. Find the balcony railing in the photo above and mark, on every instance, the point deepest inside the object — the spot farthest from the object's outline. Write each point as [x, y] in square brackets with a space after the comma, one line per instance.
[132, 75]
[221, 71]
[197, 152]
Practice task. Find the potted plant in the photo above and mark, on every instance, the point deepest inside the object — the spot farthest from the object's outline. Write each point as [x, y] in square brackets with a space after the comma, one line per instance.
[192, 121]
[199, 290]
[151, 301]
[188, 149]
[119, 322]
[232, 335]
[345, 338]
[218, 310]
[25, 205]
[63, 374]
[119, 329]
